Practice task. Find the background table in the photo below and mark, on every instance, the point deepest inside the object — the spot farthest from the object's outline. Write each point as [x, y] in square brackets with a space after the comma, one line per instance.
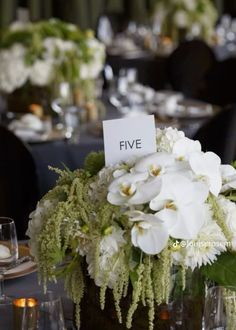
[62, 153]
[24, 285]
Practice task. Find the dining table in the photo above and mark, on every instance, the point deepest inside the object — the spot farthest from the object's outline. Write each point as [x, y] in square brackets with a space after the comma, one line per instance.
[26, 283]
[64, 153]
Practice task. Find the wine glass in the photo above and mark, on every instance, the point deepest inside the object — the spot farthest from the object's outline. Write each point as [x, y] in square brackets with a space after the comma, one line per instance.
[220, 308]
[8, 251]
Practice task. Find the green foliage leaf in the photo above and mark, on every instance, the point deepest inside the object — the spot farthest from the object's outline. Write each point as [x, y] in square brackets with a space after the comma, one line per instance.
[133, 275]
[10, 37]
[94, 162]
[223, 270]
[57, 255]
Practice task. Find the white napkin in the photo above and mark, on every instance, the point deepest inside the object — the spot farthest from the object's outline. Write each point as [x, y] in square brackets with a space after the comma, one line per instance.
[28, 121]
[4, 252]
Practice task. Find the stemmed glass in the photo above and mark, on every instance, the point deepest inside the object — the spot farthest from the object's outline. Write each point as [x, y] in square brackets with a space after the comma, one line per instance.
[8, 251]
[220, 308]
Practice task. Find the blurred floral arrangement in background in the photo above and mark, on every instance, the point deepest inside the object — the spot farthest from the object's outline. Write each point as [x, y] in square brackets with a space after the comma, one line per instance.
[197, 18]
[47, 52]
[127, 225]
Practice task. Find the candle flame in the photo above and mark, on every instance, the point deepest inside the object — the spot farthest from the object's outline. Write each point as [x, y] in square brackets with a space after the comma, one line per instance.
[25, 302]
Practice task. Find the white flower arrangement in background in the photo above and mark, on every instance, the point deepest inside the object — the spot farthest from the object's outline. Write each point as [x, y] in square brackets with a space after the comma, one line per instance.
[130, 223]
[40, 53]
[196, 17]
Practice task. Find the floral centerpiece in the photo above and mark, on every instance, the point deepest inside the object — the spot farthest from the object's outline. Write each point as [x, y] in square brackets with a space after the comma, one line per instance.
[126, 225]
[195, 17]
[47, 52]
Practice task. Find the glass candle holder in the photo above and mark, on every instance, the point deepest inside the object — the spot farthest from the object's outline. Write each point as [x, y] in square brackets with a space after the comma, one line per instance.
[25, 313]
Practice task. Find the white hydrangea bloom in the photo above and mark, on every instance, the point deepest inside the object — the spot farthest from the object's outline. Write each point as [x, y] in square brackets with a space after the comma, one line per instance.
[190, 4]
[41, 72]
[181, 19]
[228, 174]
[92, 69]
[57, 46]
[99, 188]
[13, 71]
[109, 246]
[167, 137]
[44, 208]
[229, 209]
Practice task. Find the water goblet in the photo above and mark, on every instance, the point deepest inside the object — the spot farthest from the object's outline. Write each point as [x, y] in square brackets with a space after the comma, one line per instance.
[8, 250]
[220, 308]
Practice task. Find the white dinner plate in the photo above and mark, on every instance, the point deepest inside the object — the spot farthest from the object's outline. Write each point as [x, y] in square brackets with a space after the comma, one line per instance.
[25, 268]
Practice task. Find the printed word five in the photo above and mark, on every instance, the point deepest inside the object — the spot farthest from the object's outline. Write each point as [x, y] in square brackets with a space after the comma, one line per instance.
[133, 144]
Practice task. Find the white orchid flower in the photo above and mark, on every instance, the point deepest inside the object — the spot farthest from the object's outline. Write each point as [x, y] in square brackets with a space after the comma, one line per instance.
[180, 204]
[184, 147]
[148, 233]
[206, 167]
[124, 187]
[146, 191]
[155, 164]
[119, 172]
[228, 174]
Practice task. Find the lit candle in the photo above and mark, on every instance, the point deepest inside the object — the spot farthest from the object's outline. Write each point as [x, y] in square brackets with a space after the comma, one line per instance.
[25, 313]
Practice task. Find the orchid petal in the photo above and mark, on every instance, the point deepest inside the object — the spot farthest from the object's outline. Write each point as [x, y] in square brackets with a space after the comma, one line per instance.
[116, 199]
[184, 224]
[160, 159]
[124, 187]
[207, 166]
[127, 178]
[146, 192]
[185, 146]
[152, 240]
[179, 189]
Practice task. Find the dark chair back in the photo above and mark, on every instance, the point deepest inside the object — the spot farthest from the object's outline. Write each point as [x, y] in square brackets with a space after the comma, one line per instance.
[219, 135]
[18, 180]
[187, 67]
[220, 82]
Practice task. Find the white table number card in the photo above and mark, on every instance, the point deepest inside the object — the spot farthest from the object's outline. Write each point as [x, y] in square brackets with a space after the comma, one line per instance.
[128, 137]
